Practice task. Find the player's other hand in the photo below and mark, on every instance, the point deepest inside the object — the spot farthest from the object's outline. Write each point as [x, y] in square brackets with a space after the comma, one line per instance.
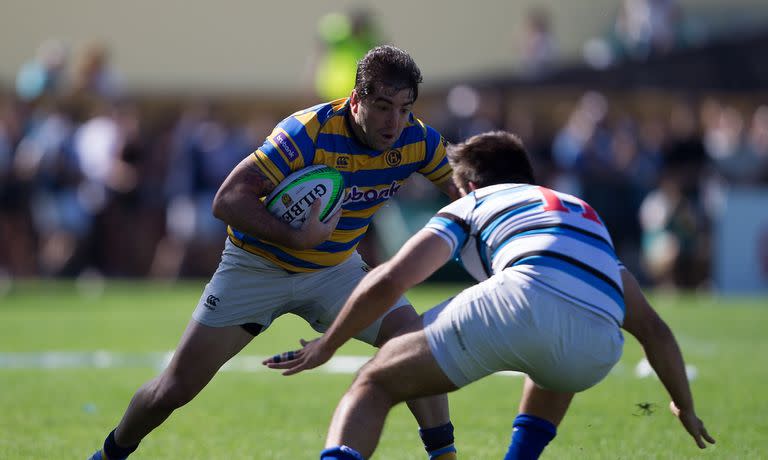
[312, 354]
[314, 232]
[693, 425]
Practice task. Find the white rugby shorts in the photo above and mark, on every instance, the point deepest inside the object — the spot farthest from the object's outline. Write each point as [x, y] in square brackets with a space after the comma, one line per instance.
[511, 322]
[248, 289]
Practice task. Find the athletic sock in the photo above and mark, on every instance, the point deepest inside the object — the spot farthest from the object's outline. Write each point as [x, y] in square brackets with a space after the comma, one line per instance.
[530, 435]
[115, 452]
[438, 442]
[340, 453]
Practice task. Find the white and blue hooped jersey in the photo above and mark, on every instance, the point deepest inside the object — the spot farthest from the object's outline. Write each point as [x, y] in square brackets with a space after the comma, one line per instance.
[555, 238]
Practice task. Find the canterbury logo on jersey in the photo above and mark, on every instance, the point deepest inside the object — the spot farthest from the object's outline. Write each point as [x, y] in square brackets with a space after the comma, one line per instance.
[355, 195]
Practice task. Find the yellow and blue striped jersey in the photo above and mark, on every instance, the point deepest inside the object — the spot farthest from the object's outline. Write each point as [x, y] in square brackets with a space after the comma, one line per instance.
[321, 135]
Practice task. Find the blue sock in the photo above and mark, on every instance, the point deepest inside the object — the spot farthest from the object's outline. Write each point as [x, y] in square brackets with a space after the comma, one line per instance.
[340, 453]
[115, 452]
[530, 435]
[438, 440]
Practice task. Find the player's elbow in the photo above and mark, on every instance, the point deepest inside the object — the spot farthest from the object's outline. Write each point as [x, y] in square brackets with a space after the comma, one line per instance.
[220, 206]
[652, 329]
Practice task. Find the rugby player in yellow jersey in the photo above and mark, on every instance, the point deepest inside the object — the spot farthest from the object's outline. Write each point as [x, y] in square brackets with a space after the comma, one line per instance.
[269, 269]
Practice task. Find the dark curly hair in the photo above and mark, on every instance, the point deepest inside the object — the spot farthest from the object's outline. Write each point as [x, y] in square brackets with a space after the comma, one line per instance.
[389, 66]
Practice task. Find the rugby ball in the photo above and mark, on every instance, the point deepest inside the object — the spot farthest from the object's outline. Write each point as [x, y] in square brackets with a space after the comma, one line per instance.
[291, 199]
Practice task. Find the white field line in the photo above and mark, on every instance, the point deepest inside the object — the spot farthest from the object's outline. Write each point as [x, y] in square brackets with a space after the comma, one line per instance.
[107, 359]
[247, 363]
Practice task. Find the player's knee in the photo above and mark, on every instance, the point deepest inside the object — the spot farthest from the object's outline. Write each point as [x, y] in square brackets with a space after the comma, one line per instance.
[372, 382]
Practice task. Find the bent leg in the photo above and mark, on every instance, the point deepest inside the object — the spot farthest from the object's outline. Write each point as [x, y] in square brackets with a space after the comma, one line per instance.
[431, 411]
[199, 355]
[546, 404]
[536, 425]
[402, 370]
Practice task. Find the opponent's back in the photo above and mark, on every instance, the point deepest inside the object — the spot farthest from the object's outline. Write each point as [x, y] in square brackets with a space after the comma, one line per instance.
[555, 238]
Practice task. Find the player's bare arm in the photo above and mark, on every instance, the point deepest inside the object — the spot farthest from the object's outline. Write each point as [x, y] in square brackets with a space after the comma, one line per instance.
[663, 354]
[238, 204]
[421, 256]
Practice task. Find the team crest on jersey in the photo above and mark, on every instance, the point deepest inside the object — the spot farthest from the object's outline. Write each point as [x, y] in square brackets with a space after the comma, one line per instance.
[342, 162]
[286, 199]
[394, 157]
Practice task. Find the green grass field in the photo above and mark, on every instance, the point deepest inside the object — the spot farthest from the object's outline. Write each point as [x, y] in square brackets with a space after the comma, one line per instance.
[65, 413]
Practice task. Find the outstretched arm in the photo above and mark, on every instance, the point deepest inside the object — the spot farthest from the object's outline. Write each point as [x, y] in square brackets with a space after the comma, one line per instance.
[421, 256]
[663, 354]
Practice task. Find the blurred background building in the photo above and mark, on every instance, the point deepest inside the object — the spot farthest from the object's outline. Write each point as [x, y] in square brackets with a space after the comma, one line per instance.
[119, 122]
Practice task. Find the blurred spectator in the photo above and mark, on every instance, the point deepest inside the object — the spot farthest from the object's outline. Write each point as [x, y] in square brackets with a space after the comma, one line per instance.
[676, 224]
[468, 111]
[736, 150]
[757, 144]
[642, 29]
[45, 163]
[43, 74]
[108, 148]
[648, 27]
[94, 74]
[17, 248]
[343, 39]
[582, 137]
[205, 150]
[539, 48]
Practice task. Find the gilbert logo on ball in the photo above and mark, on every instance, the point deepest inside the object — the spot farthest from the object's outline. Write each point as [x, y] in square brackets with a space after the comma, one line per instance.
[293, 196]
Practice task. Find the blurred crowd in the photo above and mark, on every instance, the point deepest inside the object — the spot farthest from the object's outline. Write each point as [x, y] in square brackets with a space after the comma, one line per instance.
[95, 183]
[657, 179]
[96, 186]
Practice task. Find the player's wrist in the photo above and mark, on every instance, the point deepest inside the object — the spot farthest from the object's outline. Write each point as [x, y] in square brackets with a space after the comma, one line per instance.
[329, 344]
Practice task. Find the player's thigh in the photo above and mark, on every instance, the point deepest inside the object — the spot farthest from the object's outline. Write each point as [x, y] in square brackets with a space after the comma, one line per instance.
[323, 294]
[246, 290]
[405, 367]
[202, 351]
[488, 327]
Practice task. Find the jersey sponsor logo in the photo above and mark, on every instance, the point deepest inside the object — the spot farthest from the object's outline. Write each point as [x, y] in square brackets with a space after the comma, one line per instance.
[303, 203]
[394, 157]
[342, 162]
[286, 146]
[356, 195]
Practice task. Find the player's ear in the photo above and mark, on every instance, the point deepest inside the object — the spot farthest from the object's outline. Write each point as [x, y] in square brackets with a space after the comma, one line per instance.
[354, 101]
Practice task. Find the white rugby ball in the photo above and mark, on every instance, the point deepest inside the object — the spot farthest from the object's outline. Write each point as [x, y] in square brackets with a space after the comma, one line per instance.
[291, 199]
